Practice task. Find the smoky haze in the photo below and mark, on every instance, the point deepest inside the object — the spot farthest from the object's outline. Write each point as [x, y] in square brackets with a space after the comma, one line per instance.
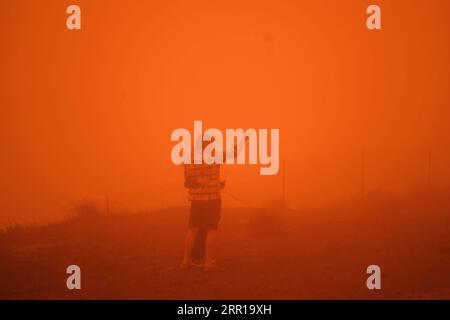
[88, 114]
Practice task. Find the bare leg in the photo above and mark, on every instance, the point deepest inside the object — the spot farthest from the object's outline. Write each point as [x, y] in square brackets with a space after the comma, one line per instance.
[211, 241]
[199, 249]
[188, 245]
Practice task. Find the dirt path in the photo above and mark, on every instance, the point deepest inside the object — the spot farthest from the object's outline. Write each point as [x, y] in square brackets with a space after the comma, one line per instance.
[291, 255]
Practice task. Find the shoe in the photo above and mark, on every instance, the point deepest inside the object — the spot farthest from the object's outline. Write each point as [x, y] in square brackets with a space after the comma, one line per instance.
[197, 263]
[185, 266]
[213, 268]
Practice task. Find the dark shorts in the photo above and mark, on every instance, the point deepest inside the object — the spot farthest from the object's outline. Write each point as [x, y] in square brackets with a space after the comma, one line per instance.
[205, 214]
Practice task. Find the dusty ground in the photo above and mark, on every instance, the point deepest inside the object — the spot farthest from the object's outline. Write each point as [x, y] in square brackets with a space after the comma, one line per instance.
[266, 254]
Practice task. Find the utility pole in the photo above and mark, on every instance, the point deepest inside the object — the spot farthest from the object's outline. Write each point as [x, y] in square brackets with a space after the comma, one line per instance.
[107, 204]
[363, 173]
[429, 169]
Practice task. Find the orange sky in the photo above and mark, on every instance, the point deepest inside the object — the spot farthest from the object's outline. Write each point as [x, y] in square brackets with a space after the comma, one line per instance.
[88, 113]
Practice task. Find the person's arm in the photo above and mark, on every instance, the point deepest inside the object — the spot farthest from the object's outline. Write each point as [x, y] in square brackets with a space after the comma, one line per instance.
[236, 150]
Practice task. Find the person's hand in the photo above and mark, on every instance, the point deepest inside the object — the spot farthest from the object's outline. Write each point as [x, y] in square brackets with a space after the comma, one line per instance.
[238, 148]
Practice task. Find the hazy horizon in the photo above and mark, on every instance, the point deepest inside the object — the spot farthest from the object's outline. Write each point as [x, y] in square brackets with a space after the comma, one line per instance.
[89, 113]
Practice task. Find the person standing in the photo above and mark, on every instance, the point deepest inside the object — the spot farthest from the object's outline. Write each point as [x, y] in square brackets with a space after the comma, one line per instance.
[204, 184]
